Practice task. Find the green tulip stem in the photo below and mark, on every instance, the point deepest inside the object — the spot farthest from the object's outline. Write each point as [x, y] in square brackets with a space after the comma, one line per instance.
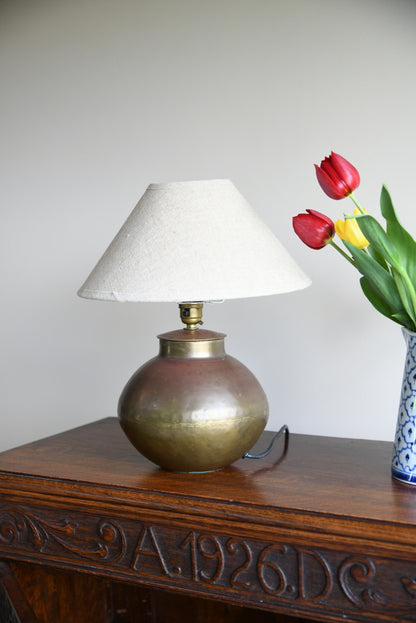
[354, 199]
[345, 255]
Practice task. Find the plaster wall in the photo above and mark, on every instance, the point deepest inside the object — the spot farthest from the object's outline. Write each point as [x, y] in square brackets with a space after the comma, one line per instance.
[100, 98]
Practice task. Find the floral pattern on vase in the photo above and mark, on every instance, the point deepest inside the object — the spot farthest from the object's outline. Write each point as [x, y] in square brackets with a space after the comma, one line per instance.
[404, 454]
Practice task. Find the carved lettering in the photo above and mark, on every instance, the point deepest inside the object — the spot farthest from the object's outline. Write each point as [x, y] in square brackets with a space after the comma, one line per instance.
[210, 548]
[190, 542]
[268, 572]
[315, 579]
[233, 546]
[147, 553]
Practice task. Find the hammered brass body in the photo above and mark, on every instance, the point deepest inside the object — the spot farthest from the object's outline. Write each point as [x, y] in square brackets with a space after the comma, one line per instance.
[193, 408]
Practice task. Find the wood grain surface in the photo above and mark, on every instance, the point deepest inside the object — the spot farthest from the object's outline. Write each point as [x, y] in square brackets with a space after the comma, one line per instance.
[318, 530]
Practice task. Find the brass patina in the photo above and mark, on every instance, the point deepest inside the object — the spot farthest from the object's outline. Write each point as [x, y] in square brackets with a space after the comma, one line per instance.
[191, 314]
[193, 408]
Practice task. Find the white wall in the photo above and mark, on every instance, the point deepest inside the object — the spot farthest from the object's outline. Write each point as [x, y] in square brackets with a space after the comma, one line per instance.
[101, 97]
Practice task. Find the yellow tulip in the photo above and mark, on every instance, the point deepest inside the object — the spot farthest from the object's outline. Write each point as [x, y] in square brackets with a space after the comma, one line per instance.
[350, 231]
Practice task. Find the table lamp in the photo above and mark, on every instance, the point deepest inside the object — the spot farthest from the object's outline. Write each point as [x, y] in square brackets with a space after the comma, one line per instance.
[193, 408]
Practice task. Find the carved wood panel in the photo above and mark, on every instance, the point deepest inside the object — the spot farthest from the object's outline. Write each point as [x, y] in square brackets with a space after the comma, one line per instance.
[276, 575]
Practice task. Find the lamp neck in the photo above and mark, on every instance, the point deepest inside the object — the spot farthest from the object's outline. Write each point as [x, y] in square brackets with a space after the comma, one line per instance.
[184, 344]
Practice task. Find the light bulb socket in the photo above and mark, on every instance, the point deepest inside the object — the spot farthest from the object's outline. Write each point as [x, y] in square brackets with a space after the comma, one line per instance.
[191, 314]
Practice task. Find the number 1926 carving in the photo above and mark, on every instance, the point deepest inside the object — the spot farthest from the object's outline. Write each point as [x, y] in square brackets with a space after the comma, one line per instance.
[275, 571]
[269, 573]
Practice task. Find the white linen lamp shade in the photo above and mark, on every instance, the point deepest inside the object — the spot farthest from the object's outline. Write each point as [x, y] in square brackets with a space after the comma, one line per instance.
[193, 241]
[193, 408]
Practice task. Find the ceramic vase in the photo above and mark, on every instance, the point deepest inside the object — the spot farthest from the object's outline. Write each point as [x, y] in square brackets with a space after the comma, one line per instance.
[404, 453]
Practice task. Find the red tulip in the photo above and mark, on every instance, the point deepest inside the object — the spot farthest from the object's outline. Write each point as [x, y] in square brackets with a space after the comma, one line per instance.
[337, 177]
[314, 229]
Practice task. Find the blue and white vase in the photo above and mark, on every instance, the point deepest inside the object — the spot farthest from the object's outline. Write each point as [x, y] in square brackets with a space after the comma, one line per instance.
[404, 454]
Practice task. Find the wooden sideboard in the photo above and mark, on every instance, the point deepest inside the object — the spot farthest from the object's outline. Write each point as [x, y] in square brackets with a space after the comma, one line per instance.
[91, 532]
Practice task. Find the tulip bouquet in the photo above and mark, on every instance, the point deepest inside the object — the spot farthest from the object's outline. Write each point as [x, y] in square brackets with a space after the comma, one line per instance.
[385, 257]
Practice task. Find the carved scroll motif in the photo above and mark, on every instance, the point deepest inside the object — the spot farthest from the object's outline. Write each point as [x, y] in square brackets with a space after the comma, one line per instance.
[103, 539]
[409, 585]
[272, 573]
[356, 576]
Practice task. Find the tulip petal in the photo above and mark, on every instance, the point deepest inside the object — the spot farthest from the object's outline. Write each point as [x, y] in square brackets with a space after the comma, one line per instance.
[337, 177]
[340, 228]
[353, 233]
[314, 229]
[329, 169]
[334, 190]
[346, 171]
[319, 215]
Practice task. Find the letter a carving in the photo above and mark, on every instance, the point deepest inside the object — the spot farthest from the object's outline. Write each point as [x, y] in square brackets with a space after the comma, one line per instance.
[147, 557]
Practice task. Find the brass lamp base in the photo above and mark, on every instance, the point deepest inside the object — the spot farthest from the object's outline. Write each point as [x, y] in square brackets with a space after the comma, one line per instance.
[193, 408]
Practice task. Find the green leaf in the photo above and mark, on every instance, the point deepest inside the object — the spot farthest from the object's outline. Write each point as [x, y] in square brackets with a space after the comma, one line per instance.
[374, 297]
[405, 295]
[387, 207]
[378, 257]
[406, 247]
[404, 320]
[379, 239]
[381, 279]
[382, 306]
[403, 241]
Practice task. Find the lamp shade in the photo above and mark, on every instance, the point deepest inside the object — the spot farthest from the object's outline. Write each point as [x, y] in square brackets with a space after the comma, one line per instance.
[193, 241]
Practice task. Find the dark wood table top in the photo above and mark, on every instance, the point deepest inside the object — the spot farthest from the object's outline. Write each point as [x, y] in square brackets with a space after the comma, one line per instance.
[344, 478]
[317, 528]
